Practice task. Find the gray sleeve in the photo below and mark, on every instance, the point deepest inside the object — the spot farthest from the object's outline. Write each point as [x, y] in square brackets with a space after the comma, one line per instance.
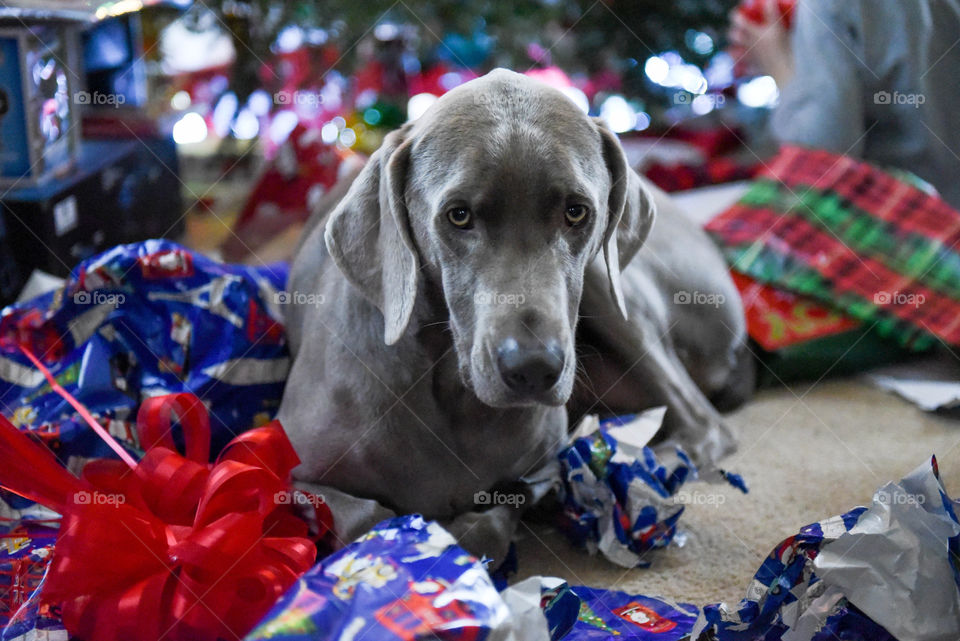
[822, 106]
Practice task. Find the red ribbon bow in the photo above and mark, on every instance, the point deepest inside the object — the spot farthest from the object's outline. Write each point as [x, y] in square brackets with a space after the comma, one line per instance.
[174, 548]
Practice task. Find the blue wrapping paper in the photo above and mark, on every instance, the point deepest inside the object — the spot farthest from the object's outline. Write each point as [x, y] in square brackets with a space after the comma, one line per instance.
[406, 579]
[878, 573]
[26, 547]
[142, 320]
[606, 614]
[617, 496]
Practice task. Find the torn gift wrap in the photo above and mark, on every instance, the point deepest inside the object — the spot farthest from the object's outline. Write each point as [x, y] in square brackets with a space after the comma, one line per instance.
[26, 547]
[889, 571]
[619, 496]
[144, 320]
[609, 614]
[899, 563]
[405, 579]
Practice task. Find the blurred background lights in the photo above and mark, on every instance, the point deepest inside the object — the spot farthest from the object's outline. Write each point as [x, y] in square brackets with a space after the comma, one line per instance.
[451, 80]
[180, 100]
[578, 97]
[348, 137]
[418, 105]
[290, 39]
[260, 102]
[618, 114]
[703, 105]
[670, 70]
[329, 133]
[246, 126]
[699, 42]
[190, 129]
[372, 116]
[224, 112]
[656, 69]
[283, 123]
[691, 78]
[759, 92]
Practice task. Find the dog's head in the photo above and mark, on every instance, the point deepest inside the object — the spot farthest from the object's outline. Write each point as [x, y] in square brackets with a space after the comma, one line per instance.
[498, 198]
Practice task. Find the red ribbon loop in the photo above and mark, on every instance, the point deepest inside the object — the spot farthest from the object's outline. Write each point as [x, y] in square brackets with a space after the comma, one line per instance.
[178, 548]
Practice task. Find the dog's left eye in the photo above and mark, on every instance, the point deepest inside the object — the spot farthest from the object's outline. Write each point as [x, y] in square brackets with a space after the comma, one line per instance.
[460, 217]
[576, 215]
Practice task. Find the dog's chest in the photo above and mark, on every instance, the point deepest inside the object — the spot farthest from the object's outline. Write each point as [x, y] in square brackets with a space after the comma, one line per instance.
[422, 458]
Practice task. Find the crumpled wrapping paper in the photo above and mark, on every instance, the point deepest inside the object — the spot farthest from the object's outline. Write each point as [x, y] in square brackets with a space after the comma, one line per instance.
[881, 573]
[26, 546]
[143, 320]
[898, 564]
[405, 579]
[620, 496]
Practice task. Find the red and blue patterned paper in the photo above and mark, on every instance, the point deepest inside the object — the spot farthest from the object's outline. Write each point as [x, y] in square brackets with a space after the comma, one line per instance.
[143, 320]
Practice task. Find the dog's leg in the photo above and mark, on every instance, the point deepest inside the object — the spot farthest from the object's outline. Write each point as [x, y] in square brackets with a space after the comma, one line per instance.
[636, 367]
[488, 533]
[352, 516]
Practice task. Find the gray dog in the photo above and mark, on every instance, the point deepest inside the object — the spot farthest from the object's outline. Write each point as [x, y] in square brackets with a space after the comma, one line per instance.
[433, 369]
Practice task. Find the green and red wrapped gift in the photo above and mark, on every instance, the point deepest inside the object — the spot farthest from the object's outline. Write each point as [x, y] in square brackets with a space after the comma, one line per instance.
[859, 241]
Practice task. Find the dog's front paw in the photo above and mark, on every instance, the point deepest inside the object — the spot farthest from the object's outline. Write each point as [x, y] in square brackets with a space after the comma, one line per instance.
[486, 534]
[700, 431]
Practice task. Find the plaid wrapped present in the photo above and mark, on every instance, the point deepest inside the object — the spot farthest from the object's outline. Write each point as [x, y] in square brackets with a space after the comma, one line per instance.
[876, 247]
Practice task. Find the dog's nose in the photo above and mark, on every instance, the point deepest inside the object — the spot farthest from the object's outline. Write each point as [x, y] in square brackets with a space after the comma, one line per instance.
[528, 370]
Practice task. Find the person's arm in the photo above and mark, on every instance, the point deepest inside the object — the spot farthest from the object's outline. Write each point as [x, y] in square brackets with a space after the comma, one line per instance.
[823, 104]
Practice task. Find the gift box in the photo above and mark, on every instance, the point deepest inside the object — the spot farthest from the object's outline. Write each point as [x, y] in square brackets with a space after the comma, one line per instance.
[798, 338]
[122, 191]
[854, 238]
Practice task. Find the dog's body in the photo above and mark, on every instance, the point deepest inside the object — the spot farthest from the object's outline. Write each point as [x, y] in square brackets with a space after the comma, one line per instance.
[434, 340]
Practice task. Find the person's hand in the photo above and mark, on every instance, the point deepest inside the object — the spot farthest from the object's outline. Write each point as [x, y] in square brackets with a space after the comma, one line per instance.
[763, 46]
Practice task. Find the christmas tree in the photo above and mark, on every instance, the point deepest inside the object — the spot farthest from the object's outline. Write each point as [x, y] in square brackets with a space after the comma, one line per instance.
[579, 36]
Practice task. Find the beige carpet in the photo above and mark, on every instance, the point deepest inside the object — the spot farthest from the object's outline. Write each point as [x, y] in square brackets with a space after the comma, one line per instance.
[804, 459]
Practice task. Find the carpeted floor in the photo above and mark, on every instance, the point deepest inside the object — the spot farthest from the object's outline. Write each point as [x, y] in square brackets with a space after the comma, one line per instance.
[807, 453]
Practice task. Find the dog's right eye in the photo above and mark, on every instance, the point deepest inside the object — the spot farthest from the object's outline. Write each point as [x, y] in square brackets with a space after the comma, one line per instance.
[460, 218]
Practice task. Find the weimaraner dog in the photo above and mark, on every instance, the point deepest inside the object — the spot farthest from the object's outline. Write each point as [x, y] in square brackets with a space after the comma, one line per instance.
[435, 325]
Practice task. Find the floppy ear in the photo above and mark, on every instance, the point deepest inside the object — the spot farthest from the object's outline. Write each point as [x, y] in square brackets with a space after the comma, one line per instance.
[631, 212]
[368, 236]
